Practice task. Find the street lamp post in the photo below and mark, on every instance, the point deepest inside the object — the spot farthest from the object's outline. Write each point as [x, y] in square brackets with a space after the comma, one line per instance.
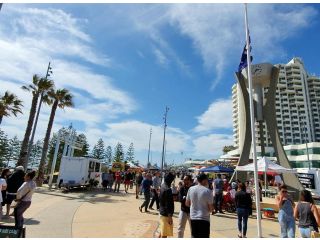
[164, 137]
[148, 165]
[49, 71]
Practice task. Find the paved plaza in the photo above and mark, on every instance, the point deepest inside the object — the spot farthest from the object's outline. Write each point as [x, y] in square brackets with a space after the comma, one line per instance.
[100, 214]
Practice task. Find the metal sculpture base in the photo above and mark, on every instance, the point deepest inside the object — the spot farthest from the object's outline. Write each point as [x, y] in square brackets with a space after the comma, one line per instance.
[269, 115]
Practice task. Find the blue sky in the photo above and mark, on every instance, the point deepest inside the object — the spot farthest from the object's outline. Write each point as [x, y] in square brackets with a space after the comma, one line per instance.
[125, 62]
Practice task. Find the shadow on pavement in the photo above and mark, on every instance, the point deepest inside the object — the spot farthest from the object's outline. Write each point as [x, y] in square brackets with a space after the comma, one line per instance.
[105, 199]
[27, 221]
[152, 213]
[86, 196]
[225, 216]
[31, 221]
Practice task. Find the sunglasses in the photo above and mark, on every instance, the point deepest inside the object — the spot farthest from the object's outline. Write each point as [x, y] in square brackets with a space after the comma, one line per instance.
[284, 191]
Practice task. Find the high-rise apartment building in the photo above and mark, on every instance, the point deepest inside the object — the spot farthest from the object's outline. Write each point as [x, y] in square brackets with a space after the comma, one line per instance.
[297, 106]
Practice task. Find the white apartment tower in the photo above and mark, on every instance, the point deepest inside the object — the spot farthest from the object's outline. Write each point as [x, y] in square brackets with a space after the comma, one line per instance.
[297, 106]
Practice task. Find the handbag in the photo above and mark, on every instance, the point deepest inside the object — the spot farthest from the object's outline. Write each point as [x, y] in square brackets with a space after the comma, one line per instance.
[17, 201]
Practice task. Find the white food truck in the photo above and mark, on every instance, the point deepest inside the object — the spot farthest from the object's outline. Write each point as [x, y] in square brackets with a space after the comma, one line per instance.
[77, 171]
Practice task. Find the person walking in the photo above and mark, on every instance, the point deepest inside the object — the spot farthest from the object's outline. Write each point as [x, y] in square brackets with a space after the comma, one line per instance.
[278, 181]
[166, 207]
[24, 197]
[14, 182]
[285, 216]
[138, 180]
[117, 181]
[156, 184]
[243, 203]
[307, 214]
[146, 188]
[199, 199]
[184, 215]
[218, 188]
[110, 179]
[127, 180]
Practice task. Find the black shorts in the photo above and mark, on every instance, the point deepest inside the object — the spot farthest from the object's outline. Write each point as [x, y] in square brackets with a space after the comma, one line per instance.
[10, 198]
[200, 229]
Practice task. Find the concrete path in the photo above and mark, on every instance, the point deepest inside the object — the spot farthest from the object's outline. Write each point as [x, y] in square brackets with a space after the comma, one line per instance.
[101, 214]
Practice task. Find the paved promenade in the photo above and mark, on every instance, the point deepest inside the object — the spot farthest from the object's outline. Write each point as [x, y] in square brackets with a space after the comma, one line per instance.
[100, 214]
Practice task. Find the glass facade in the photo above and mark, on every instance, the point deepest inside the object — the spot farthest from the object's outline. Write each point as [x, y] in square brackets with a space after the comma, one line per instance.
[298, 152]
[304, 164]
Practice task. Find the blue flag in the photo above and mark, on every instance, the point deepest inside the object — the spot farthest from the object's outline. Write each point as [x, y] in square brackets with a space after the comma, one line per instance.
[243, 62]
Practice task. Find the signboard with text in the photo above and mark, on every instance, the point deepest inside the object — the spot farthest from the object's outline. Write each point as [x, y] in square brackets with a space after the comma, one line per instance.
[11, 232]
[307, 180]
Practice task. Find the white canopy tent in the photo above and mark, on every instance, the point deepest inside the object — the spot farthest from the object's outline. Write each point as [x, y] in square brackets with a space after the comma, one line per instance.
[132, 165]
[206, 162]
[265, 165]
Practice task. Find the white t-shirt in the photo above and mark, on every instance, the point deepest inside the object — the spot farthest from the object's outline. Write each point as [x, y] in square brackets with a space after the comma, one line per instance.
[3, 183]
[200, 197]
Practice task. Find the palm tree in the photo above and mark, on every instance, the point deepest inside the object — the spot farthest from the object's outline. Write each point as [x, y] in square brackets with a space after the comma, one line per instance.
[38, 86]
[9, 104]
[60, 98]
[45, 87]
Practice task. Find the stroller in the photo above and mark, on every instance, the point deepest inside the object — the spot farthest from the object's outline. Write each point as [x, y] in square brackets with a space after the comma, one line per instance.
[228, 203]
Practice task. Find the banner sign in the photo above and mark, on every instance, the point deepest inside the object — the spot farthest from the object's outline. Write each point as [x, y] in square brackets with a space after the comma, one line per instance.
[307, 180]
[12, 232]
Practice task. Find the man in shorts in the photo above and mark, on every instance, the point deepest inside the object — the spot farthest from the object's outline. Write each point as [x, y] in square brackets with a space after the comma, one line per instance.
[166, 207]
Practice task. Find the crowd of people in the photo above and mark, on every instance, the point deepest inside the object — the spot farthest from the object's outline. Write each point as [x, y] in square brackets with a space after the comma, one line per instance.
[200, 197]
[112, 180]
[17, 189]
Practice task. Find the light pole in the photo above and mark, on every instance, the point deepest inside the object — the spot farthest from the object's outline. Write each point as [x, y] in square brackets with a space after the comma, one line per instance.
[164, 137]
[148, 165]
[252, 123]
[55, 156]
[49, 71]
[181, 156]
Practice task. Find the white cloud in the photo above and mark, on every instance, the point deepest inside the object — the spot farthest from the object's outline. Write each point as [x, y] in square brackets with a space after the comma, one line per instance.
[218, 115]
[138, 133]
[211, 146]
[161, 58]
[150, 19]
[217, 30]
[29, 39]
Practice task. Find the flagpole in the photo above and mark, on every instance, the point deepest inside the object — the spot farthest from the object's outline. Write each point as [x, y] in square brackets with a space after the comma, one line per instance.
[253, 134]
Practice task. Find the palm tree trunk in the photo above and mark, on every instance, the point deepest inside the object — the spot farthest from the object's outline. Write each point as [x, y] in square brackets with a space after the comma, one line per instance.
[24, 147]
[1, 119]
[40, 177]
[34, 128]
